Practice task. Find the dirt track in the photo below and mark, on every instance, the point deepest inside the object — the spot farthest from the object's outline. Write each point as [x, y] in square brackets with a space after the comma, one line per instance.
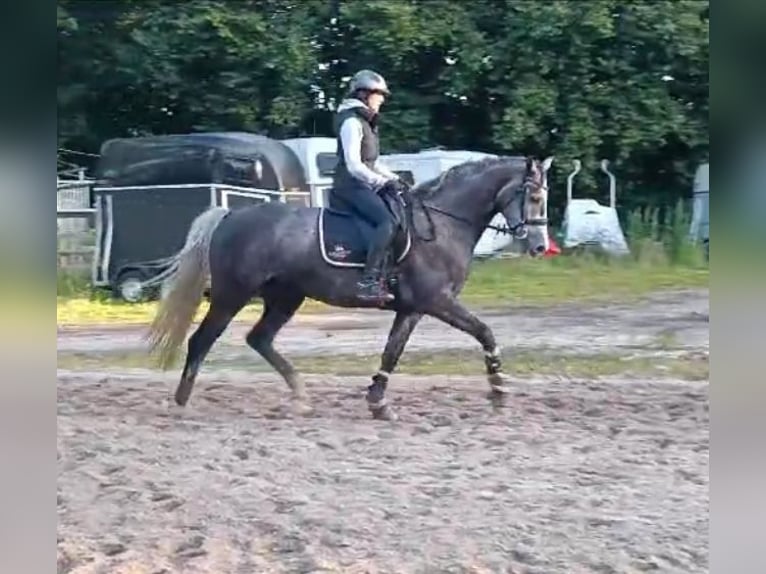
[573, 476]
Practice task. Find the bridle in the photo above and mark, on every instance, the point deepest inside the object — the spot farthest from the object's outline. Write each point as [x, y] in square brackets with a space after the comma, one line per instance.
[529, 187]
[518, 231]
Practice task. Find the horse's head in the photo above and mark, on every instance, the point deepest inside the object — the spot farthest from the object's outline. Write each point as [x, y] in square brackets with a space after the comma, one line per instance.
[525, 206]
[473, 192]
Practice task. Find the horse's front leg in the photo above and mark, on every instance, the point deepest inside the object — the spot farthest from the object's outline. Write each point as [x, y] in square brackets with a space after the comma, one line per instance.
[404, 324]
[454, 314]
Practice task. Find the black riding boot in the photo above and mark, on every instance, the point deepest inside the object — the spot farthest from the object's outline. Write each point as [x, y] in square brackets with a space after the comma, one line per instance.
[372, 286]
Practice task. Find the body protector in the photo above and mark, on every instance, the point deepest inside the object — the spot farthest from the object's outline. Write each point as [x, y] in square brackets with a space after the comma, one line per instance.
[358, 148]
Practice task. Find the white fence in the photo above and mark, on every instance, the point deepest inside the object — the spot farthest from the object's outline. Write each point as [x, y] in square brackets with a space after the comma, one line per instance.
[72, 195]
[74, 225]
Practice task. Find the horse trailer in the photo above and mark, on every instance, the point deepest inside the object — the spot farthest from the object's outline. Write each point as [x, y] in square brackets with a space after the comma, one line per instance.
[151, 189]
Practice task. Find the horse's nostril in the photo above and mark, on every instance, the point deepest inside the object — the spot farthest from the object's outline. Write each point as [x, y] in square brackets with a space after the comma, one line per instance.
[540, 249]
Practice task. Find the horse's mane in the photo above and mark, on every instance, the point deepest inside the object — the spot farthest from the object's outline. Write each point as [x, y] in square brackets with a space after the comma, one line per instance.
[433, 186]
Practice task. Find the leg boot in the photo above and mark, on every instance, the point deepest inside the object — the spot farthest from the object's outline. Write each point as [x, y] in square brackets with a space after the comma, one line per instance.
[372, 286]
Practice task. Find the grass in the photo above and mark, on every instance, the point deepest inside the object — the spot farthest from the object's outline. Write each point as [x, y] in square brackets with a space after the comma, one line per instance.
[496, 282]
[469, 362]
[662, 258]
[103, 311]
[449, 362]
[574, 278]
[78, 304]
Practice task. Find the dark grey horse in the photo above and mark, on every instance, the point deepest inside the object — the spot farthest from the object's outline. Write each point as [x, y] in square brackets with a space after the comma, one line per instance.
[272, 251]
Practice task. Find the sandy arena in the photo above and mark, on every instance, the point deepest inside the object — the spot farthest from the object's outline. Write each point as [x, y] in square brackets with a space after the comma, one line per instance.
[573, 476]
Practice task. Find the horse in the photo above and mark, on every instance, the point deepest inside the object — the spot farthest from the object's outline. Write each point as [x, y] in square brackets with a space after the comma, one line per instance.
[285, 253]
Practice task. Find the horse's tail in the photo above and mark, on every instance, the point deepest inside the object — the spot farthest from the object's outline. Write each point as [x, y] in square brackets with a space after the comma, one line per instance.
[188, 274]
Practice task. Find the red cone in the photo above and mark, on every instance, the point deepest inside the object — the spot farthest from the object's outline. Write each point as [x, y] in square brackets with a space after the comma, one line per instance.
[553, 249]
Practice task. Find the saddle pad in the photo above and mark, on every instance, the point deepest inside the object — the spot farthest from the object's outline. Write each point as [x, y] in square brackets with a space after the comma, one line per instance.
[343, 239]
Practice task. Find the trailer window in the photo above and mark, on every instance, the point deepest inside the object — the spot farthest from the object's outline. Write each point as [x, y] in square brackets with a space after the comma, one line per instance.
[240, 171]
[326, 163]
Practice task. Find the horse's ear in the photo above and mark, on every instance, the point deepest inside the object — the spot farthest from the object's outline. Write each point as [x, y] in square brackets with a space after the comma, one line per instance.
[532, 167]
[547, 162]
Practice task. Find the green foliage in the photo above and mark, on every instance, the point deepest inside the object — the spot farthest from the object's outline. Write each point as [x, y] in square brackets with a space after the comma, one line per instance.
[655, 238]
[71, 284]
[573, 79]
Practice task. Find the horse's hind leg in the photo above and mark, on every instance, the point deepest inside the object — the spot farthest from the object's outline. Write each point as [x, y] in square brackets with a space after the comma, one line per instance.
[279, 306]
[218, 316]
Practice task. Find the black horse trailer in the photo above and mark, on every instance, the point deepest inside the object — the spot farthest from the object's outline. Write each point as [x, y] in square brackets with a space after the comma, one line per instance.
[151, 188]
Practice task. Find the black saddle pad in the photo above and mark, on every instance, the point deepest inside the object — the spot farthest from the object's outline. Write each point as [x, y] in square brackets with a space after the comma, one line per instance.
[344, 239]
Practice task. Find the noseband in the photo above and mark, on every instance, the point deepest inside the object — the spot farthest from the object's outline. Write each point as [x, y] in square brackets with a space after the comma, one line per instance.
[526, 189]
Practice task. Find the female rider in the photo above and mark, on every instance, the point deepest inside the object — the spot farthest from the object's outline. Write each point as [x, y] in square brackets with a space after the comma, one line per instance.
[360, 176]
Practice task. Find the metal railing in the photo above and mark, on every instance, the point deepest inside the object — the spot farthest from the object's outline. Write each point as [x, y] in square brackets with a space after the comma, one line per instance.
[77, 220]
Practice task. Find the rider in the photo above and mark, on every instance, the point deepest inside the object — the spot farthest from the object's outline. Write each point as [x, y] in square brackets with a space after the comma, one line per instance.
[360, 176]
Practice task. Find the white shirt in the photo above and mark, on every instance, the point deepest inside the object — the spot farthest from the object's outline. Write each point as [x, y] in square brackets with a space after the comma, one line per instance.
[351, 133]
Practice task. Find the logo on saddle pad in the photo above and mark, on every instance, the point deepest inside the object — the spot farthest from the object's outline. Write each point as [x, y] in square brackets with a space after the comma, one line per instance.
[340, 252]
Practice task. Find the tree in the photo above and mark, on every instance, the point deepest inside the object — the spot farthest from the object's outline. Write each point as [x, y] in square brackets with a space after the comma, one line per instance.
[154, 67]
[627, 81]
[606, 79]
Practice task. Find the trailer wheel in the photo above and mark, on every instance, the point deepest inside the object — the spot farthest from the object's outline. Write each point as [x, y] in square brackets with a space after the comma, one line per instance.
[128, 287]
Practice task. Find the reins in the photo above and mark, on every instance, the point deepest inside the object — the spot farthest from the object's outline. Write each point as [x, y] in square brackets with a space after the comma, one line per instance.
[505, 229]
[411, 199]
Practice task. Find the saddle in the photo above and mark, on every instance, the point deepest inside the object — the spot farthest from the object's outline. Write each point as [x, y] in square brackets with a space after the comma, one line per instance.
[344, 238]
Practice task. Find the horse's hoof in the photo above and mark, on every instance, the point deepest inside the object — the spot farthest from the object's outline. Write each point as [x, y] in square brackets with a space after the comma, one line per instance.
[384, 413]
[297, 386]
[498, 400]
[498, 384]
[498, 390]
[183, 392]
[497, 380]
[300, 406]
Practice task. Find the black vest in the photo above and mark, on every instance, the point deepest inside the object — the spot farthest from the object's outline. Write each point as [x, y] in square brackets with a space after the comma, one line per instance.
[370, 148]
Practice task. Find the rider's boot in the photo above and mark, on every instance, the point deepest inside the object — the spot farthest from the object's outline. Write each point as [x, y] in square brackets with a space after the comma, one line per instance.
[372, 286]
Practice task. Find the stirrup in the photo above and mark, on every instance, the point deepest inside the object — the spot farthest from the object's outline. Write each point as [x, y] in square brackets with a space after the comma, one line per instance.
[383, 297]
[373, 290]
